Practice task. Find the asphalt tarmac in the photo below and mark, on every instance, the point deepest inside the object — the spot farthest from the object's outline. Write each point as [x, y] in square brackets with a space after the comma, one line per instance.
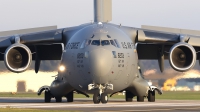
[86, 104]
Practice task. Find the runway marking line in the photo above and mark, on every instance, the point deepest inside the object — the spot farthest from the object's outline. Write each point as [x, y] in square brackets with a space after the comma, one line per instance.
[150, 110]
[53, 105]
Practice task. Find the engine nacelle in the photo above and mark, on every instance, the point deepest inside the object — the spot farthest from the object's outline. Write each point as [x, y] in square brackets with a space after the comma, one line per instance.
[182, 56]
[17, 58]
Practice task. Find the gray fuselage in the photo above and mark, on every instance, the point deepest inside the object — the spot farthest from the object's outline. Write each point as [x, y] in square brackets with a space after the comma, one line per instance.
[99, 54]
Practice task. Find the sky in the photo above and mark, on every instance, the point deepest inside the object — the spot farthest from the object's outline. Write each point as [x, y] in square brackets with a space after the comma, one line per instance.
[20, 14]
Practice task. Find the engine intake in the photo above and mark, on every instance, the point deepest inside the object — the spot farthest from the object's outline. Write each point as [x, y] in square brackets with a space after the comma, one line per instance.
[17, 58]
[182, 57]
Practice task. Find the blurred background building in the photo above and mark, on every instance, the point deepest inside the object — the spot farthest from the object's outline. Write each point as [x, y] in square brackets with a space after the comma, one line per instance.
[27, 81]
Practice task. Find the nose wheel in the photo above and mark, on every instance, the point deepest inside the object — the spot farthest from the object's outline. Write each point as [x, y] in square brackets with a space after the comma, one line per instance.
[104, 98]
[97, 98]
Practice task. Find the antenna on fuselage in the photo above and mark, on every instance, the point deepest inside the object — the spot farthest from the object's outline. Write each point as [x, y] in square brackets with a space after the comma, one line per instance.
[102, 10]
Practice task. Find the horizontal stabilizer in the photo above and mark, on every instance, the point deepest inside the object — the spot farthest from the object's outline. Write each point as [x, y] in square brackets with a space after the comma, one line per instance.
[26, 31]
[172, 30]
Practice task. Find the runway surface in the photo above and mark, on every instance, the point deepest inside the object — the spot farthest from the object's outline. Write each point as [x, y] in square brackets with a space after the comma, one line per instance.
[87, 105]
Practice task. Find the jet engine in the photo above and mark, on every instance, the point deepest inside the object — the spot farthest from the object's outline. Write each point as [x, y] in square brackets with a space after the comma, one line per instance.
[17, 58]
[182, 56]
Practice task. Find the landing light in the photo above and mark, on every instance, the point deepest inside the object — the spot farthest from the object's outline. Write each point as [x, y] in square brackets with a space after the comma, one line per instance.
[61, 68]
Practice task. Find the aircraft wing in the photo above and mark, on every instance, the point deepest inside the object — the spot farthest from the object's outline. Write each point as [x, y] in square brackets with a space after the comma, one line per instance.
[18, 48]
[43, 40]
[182, 49]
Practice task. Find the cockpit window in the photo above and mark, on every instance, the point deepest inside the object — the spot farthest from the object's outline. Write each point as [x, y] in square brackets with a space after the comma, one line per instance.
[112, 42]
[85, 43]
[105, 42]
[95, 42]
[117, 43]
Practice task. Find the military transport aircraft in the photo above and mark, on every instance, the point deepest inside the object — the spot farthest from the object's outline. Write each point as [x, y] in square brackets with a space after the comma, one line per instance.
[99, 58]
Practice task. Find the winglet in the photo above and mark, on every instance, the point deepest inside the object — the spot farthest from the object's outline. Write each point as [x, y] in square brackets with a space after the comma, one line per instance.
[102, 10]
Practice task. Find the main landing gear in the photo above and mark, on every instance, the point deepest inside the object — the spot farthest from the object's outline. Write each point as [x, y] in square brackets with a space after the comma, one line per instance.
[58, 99]
[129, 97]
[150, 96]
[151, 93]
[69, 97]
[48, 95]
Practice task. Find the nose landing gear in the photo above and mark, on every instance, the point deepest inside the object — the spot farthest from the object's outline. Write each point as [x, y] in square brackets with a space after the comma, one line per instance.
[100, 95]
[104, 98]
[97, 98]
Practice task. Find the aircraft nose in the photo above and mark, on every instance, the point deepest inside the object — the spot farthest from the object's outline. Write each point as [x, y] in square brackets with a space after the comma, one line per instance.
[100, 64]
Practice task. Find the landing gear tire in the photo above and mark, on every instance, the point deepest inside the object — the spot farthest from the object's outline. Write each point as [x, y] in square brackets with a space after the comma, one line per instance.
[96, 98]
[129, 96]
[151, 96]
[47, 97]
[58, 99]
[104, 98]
[70, 97]
[140, 98]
